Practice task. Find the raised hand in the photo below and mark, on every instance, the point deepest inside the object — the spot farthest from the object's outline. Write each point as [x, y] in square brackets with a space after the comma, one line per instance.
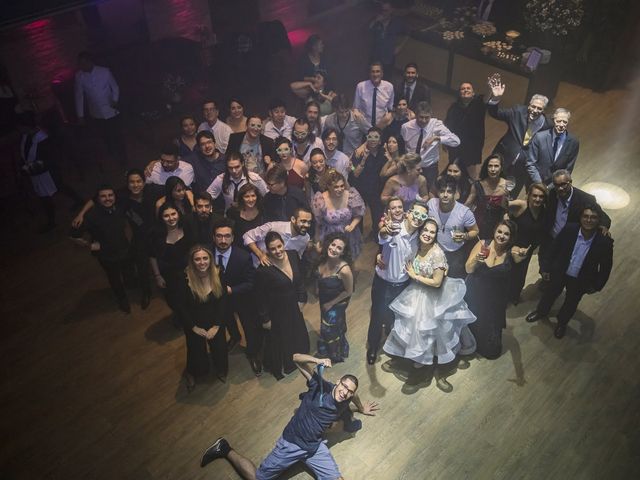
[496, 85]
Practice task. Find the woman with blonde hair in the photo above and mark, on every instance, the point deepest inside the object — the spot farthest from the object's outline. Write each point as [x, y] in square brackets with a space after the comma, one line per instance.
[407, 184]
[202, 306]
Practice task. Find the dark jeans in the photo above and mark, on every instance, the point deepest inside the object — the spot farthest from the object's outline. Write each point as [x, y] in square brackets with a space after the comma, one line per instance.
[517, 170]
[430, 173]
[382, 294]
[574, 294]
[115, 270]
[456, 261]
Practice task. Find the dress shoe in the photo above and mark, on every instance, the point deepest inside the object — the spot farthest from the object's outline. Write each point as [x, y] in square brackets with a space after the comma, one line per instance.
[256, 366]
[533, 317]
[219, 449]
[560, 330]
[444, 385]
[352, 425]
[231, 344]
[145, 301]
[371, 357]
[123, 305]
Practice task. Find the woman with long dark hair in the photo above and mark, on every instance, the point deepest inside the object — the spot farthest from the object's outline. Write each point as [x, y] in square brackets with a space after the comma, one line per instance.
[186, 141]
[281, 294]
[394, 148]
[178, 194]
[489, 273]
[456, 169]
[489, 198]
[296, 168]
[170, 244]
[237, 119]
[202, 312]
[247, 215]
[335, 286]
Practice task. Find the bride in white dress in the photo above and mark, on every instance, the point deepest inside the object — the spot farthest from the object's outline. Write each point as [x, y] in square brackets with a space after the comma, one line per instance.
[431, 314]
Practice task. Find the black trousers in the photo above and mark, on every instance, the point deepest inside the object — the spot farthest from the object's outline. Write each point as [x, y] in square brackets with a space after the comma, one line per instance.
[198, 357]
[430, 174]
[517, 170]
[115, 270]
[111, 132]
[575, 291]
[382, 294]
[518, 277]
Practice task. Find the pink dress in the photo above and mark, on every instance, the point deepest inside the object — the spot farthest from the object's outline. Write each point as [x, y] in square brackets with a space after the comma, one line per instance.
[328, 221]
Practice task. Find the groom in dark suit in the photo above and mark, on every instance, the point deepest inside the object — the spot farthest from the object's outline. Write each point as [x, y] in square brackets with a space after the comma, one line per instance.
[237, 274]
[552, 149]
[580, 261]
[409, 89]
[523, 123]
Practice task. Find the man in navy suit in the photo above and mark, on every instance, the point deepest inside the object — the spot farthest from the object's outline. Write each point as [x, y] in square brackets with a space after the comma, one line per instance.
[409, 89]
[580, 261]
[523, 123]
[237, 274]
[552, 149]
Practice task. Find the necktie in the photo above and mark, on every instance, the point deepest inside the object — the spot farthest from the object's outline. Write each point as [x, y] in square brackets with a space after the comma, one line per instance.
[556, 143]
[373, 106]
[220, 264]
[419, 144]
[236, 186]
[407, 94]
[27, 147]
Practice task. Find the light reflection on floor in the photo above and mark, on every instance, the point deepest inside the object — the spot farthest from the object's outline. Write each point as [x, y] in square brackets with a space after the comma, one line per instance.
[609, 196]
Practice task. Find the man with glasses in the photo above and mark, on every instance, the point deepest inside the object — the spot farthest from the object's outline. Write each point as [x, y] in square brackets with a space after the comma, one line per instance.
[169, 165]
[335, 158]
[565, 204]
[424, 135]
[321, 405]
[399, 241]
[579, 260]
[256, 149]
[303, 140]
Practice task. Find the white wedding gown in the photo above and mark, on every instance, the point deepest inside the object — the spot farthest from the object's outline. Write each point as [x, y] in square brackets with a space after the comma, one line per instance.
[431, 322]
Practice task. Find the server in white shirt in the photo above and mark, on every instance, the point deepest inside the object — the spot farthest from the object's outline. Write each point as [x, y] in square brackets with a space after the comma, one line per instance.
[399, 245]
[221, 131]
[279, 123]
[236, 175]
[170, 166]
[374, 97]
[99, 88]
[294, 233]
[423, 135]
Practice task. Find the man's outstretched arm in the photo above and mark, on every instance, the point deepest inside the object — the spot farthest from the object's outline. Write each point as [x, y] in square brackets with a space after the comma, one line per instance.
[306, 363]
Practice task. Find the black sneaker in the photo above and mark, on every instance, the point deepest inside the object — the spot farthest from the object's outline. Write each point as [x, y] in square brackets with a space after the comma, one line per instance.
[220, 449]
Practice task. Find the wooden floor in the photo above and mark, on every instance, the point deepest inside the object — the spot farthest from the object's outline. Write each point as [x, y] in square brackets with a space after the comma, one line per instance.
[90, 393]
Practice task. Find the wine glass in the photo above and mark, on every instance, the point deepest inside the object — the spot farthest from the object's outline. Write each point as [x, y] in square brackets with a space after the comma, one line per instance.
[510, 184]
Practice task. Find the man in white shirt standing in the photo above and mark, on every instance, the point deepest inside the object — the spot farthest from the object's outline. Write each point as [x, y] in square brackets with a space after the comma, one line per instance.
[423, 135]
[374, 97]
[102, 93]
[221, 131]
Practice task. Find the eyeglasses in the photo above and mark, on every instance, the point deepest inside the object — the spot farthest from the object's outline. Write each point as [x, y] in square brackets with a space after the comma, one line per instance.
[283, 150]
[352, 392]
[562, 185]
[373, 136]
[300, 134]
[419, 215]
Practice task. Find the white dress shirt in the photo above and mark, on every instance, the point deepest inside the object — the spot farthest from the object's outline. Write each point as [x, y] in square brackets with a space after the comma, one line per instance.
[340, 162]
[221, 132]
[363, 99]
[215, 189]
[101, 91]
[291, 242]
[273, 132]
[159, 176]
[429, 152]
[396, 252]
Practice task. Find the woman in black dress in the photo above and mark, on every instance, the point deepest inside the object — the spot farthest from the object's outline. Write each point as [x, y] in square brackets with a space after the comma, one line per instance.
[529, 216]
[176, 192]
[202, 312]
[489, 268]
[281, 293]
[170, 245]
[335, 286]
[489, 198]
[247, 215]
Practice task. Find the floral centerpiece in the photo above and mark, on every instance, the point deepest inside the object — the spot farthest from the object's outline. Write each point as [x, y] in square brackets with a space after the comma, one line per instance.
[555, 17]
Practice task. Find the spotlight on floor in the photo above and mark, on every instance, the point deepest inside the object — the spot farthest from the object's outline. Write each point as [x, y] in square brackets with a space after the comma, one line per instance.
[609, 196]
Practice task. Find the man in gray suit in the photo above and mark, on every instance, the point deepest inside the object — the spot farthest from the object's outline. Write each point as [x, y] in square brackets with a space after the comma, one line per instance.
[552, 150]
